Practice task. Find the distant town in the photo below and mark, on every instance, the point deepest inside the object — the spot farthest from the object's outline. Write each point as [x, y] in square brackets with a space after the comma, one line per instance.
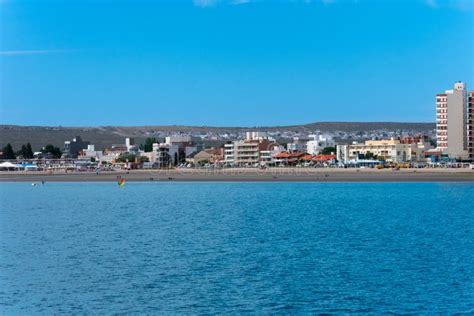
[450, 144]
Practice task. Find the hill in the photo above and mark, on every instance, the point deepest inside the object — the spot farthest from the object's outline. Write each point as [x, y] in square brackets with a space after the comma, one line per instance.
[105, 136]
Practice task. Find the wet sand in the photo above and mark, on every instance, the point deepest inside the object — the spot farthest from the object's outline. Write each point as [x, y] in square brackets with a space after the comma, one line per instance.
[250, 175]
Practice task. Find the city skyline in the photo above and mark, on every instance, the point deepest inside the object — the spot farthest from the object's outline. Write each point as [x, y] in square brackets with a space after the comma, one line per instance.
[230, 63]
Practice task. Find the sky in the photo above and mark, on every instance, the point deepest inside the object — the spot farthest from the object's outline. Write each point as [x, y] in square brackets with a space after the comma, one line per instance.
[230, 62]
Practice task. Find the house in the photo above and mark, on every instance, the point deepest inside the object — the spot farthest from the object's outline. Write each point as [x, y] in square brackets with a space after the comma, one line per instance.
[325, 159]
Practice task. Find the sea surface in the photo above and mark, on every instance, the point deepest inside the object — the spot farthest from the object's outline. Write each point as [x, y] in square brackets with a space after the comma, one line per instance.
[204, 248]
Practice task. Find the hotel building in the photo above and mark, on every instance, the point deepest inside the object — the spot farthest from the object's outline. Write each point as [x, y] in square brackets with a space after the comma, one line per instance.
[452, 122]
[470, 125]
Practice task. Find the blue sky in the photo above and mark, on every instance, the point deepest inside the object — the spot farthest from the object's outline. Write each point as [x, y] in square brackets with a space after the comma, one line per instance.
[230, 62]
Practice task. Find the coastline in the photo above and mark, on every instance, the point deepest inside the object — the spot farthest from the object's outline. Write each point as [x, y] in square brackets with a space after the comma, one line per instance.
[249, 175]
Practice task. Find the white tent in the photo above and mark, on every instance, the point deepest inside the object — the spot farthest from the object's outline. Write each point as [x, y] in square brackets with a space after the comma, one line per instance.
[9, 165]
[30, 167]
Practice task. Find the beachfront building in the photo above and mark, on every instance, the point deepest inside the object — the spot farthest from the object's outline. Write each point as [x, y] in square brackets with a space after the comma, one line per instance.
[452, 122]
[185, 146]
[470, 125]
[256, 149]
[298, 144]
[211, 155]
[391, 150]
[90, 152]
[318, 142]
[163, 155]
[268, 152]
[288, 159]
[73, 148]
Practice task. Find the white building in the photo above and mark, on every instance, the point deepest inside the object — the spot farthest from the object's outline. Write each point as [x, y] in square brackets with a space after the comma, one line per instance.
[130, 144]
[318, 142]
[391, 150]
[177, 139]
[257, 148]
[256, 135]
[452, 122]
[470, 124]
[298, 145]
[162, 154]
[90, 152]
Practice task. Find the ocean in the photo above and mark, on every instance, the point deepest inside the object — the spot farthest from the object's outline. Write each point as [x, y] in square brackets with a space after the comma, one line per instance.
[205, 248]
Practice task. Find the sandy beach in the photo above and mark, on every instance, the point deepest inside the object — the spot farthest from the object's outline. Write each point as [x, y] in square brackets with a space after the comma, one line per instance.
[251, 175]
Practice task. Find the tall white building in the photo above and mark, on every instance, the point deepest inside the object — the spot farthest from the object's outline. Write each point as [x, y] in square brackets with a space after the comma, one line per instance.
[470, 125]
[452, 123]
[318, 142]
[256, 135]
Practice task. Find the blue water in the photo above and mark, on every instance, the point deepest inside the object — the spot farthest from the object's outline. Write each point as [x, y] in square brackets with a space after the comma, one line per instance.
[236, 247]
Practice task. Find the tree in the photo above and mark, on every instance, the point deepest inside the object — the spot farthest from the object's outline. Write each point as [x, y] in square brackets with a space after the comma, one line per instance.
[149, 144]
[29, 152]
[8, 152]
[370, 156]
[21, 152]
[26, 151]
[126, 157]
[328, 150]
[144, 159]
[54, 151]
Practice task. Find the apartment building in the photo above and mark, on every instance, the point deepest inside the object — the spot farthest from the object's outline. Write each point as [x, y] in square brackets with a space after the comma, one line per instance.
[297, 145]
[470, 125]
[452, 122]
[318, 142]
[256, 149]
[391, 150]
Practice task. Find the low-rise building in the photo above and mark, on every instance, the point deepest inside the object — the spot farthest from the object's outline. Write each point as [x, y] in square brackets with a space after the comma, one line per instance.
[199, 158]
[90, 152]
[391, 150]
[286, 158]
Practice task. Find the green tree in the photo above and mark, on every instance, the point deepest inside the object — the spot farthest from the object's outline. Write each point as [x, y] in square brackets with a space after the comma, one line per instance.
[149, 144]
[126, 157]
[328, 150]
[22, 151]
[29, 151]
[8, 152]
[370, 155]
[26, 151]
[144, 159]
[54, 151]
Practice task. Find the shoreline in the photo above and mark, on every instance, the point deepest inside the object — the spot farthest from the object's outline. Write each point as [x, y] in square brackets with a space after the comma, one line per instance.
[249, 175]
